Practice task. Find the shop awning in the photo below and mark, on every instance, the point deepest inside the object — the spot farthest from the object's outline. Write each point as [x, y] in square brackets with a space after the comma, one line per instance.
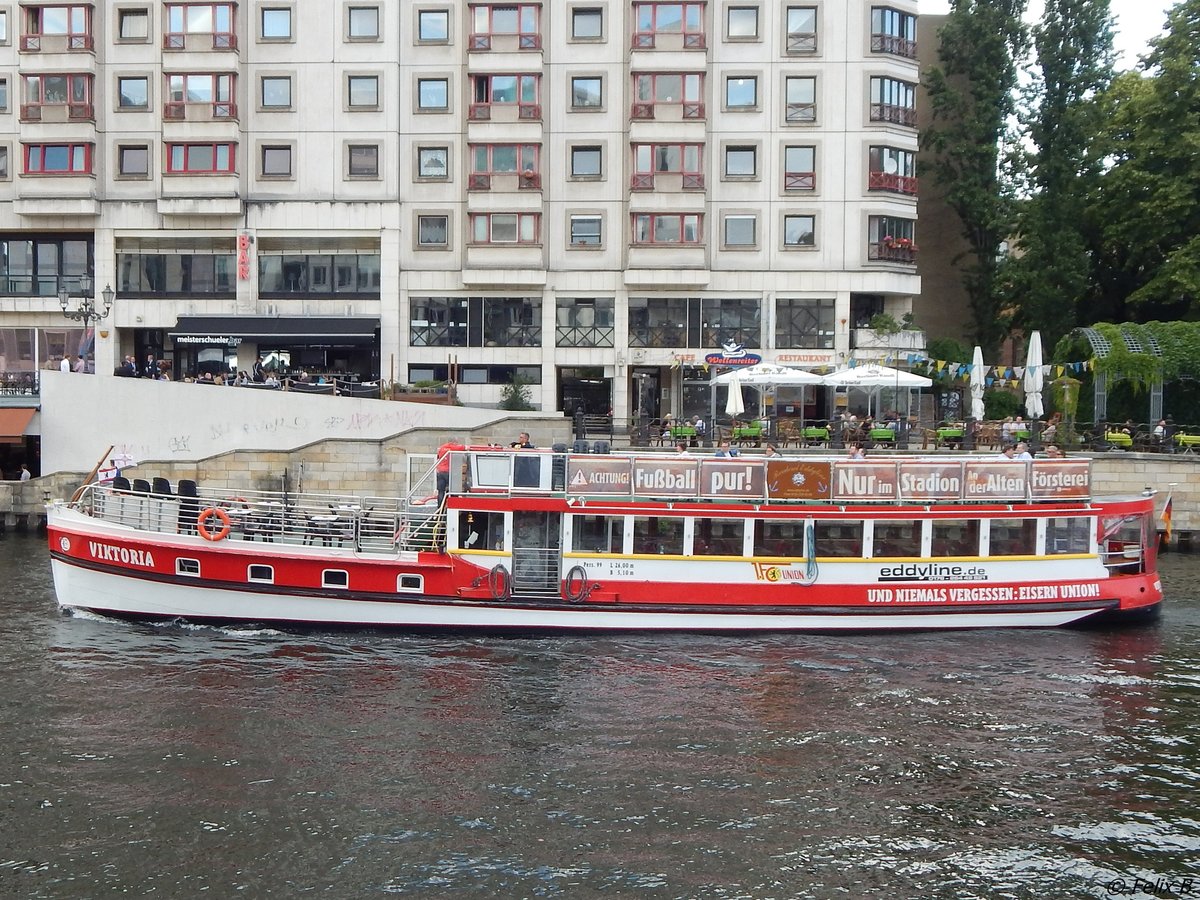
[272, 329]
[13, 422]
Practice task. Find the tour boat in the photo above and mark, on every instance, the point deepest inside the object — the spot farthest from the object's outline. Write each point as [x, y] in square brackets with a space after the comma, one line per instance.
[531, 540]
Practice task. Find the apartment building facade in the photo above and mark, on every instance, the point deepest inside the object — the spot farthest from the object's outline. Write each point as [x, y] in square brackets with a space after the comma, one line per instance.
[604, 197]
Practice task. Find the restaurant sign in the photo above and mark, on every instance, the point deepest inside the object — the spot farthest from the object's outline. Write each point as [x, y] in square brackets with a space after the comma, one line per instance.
[1060, 479]
[797, 479]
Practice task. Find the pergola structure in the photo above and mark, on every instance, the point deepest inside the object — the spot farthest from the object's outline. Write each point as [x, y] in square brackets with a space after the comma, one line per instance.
[1144, 343]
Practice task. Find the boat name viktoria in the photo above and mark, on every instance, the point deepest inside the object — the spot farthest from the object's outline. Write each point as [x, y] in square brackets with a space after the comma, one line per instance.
[113, 553]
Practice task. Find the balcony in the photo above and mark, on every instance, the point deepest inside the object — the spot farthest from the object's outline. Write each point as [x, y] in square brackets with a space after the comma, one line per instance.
[215, 40]
[894, 115]
[887, 181]
[58, 112]
[483, 112]
[801, 112]
[650, 40]
[504, 181]
[178, 111]
[643, 110]
[888, 43]
[668, 182]
[872, 339]
[56, 43]
[800, 181]
[802, 42]
[484, 42]
[899, 250]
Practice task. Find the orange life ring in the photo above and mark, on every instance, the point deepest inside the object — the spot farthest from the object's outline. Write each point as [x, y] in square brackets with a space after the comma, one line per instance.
[207, 514]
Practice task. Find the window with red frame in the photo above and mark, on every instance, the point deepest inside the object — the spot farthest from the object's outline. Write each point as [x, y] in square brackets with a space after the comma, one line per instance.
[58, 159]
[649, 160]
[506, 89]
[72, 22]
[653, 19]
[199, 18]
[57, 90]
[204, 87]
[504, 159]
[505, 228]
[667, 228]
[200, 159]
[800, 168]
[892, 169]
[491, 19]
[668, 88]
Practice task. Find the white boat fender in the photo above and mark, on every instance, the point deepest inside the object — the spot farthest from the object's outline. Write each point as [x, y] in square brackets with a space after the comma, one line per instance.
[576, 585]
[202, 524]
[500, 583]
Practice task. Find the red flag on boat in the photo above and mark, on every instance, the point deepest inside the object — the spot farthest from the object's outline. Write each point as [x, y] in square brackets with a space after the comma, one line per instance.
[1166, 519]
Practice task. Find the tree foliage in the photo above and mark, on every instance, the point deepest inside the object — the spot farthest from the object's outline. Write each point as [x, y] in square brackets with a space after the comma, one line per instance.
[972, 100]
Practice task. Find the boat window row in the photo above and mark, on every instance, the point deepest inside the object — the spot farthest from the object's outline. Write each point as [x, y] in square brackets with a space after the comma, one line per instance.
[832, 538]
[330, 578]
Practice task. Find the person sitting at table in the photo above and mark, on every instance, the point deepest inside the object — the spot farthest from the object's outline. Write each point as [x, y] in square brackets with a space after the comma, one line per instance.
[668, 423]
[1007, 431]
[726, 449]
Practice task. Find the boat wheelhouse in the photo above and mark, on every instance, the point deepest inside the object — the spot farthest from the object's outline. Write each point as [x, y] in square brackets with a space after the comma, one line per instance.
[544, 540]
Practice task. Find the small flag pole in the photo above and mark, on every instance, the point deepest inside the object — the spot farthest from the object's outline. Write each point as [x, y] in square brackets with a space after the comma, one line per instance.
[1166, 516]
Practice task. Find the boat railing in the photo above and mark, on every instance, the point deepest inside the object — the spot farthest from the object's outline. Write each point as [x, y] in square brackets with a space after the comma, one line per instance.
[369, 524]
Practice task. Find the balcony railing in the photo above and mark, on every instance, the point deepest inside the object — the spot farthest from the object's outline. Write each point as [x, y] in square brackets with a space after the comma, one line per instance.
[802, 42]
[479, 181]
[32, 43]
[692, 181]
[530, 181]
[657, 336]
[221, 40]
[801, 112]
[483, 41]
[892, 251]
[176, 110]
[887, 181]
[648, 40]
[584, 335]
[889, 43]
[531, 111]
[800, 181]
[896, 115]
[479, 112]
[641, 181]
[76, 112]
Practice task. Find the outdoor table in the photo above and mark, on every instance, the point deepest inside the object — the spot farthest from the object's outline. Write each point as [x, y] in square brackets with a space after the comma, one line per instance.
[683, 431]
[748, 432]
[815, 435]
[882, 436]
[1187, 442]
[949, 436]
[1119, 439]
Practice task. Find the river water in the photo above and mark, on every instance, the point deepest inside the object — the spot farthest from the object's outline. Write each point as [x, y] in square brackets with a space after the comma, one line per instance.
[170, 761]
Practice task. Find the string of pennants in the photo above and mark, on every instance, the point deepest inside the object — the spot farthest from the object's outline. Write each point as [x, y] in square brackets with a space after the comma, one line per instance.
[994, 376]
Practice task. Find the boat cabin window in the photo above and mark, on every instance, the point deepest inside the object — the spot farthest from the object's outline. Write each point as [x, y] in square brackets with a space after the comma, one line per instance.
[658, 534]
[954, 537]
[896, 538]
[838, 538]
[263, 574]
[187, 567]
[779, 538]
[1012, 537]
[718, 537]
[480, 530]
[410, 583]
[335, 578]
[598, 534]
[1068, 535]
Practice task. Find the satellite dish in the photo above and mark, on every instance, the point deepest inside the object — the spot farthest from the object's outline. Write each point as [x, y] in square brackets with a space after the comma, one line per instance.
[890, 165]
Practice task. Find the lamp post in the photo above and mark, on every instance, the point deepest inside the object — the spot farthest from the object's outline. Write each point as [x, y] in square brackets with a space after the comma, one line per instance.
[86, 311]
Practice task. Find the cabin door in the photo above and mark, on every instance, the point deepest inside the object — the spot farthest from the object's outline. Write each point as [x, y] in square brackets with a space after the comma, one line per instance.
[537, 553]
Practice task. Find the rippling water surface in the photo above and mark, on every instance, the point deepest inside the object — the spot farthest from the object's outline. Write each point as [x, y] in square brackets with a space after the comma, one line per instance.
[170, 761]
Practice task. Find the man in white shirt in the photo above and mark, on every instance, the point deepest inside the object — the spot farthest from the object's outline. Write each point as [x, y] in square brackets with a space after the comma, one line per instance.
[65, 365]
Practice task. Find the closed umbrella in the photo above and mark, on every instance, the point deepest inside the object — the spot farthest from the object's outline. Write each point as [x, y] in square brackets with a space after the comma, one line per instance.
[977, 384]
[733, 403]
[1033, 377]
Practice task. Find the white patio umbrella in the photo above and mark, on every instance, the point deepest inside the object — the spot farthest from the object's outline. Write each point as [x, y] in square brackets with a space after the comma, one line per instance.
[1033, 377]
[874, 378]
[734, 406]
[769, 373]
[977, 384]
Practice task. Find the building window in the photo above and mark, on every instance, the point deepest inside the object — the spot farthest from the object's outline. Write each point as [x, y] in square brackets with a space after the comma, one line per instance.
[667, 228]
[587, 92]
[741, 162]
[587, 24]
[433, 163]
[200, 159]
[207, 88]
[741, 231]
[652, 89]
[799, 231]
[893, 32]
[494, 20]
[433, 94]
[505, 90]
[488, 160]
[800, 94]
[133, 25]
[5, 171]
[741, 92]
[58, 159]
[276, 23]
[586, 162]
[133, 161]
[70, 22]
[650, 160]
[477, 322]
[892, 169]
[741, 23]
[801, 29]
[362, 160]
[433, 231]
[362, 91]
[893, 101]
[133, 93]
[654, 20]
[276, 92]
[74, 92]
[505, 228]
[214, 19]
[433, 26]
[362, 23]
[694, 322]
[799, 168]
[585, 322]
[320, 274]
[277, 161]
[3, 94]
[804, 324]
[161, 275]
[586, 231]
[3, 27]
[39, 266]
[891, 239]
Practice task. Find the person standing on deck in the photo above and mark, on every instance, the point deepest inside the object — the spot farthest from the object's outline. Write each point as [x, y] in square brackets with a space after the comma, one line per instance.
[442, 468]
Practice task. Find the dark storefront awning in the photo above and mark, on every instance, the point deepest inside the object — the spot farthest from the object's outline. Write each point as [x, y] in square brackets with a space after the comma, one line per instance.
[268, 329]
[13, 422]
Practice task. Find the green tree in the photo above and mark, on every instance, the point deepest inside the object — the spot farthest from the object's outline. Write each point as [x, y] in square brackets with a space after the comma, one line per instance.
[972, 101]
[515, 395]
[1145, 212]
[1073, 63]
